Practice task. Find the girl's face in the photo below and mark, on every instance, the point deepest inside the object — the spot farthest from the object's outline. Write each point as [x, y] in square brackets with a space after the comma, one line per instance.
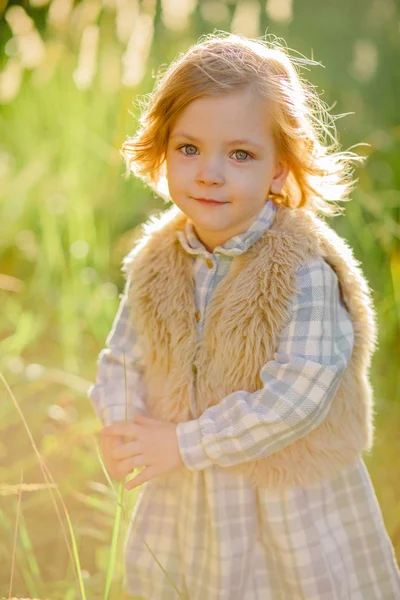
[222, 148]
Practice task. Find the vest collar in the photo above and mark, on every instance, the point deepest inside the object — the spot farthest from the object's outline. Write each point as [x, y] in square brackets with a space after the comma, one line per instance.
[237, 244]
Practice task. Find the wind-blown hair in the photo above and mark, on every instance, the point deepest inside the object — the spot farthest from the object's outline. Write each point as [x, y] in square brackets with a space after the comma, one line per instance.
[304, 131]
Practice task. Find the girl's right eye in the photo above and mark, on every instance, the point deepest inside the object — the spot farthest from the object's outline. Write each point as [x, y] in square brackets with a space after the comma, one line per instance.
[187, 146]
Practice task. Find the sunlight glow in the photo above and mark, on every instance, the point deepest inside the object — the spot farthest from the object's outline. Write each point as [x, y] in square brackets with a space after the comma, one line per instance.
[134, 60]
[280, 10]
[59, 13]
[27, 43]
[176, 13]
[246, 19]
[127, 13]
[214, 12]
[10, 80]
[365, 60]
[87, 60]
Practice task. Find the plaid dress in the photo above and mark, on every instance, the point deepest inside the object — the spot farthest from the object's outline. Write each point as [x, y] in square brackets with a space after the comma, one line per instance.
[217, 537]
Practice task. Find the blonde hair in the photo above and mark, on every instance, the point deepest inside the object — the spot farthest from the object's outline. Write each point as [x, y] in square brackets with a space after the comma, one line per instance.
[304, 130]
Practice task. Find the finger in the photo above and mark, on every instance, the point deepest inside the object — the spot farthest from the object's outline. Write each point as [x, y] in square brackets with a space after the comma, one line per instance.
[114, 471]
[123, 429]
[111, 466]
[108, 442]
[105, 445]
[143, 419]
[125, 467]
[108, 446]
[143, 477]
[126, 450]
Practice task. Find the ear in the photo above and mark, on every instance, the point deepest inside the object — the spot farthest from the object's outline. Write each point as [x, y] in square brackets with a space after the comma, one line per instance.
[279, 176]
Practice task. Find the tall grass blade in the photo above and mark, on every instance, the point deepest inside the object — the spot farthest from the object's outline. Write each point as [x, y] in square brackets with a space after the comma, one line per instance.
[114, 541]
[118, 514]
[15, 538]
[48, 477]
[29, 555]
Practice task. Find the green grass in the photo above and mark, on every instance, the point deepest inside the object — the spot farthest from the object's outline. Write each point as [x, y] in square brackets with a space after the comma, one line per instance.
[21, 536]
[67, 216]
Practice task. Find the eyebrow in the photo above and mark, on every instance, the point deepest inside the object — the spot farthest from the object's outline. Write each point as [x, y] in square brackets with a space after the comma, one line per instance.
[247, 142]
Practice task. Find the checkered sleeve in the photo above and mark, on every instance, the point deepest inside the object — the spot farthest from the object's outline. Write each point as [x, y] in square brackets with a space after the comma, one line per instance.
[109, 398]
[298, 384]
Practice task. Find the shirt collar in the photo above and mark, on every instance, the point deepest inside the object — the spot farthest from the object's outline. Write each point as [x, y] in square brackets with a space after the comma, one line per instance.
[235, 245]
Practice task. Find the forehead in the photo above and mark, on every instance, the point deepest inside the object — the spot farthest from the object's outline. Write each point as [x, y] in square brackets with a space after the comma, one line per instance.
[234, 116]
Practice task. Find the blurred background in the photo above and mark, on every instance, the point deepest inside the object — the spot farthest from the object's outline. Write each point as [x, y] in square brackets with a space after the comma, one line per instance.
[69, 75]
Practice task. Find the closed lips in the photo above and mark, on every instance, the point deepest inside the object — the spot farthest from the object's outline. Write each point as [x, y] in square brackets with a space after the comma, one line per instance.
[209, 200]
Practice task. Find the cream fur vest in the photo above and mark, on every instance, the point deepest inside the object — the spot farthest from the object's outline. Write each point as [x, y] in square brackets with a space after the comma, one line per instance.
[243, 320]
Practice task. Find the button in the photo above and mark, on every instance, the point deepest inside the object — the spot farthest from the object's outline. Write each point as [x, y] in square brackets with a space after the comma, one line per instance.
[198, 315]
[209, 263]
[194, 369]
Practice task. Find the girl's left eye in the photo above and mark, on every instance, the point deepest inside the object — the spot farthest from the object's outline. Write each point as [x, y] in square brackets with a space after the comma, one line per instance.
[243, 152]
[236, 151]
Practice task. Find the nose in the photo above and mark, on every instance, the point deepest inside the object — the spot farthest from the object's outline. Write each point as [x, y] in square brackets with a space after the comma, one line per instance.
[210, 173]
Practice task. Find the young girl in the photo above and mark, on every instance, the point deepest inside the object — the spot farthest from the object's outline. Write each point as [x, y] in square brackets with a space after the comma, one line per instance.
[248, 330]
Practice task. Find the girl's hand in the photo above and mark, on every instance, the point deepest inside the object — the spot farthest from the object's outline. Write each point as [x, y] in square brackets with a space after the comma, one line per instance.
[149, 443]
[108, 444]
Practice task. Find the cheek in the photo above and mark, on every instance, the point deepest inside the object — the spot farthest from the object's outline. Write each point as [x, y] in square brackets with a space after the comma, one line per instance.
[171, 168]
[177, 181]
[178, 173]
[243, 180]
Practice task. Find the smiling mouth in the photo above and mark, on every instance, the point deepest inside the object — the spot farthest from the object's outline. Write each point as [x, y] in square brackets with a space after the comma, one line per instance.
[213, 202]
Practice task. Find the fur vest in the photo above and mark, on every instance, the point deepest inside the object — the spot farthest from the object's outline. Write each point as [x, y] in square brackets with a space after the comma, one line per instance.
[247, 312]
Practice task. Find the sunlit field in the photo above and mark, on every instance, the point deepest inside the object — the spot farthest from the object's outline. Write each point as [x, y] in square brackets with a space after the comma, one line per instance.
[70, 74]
